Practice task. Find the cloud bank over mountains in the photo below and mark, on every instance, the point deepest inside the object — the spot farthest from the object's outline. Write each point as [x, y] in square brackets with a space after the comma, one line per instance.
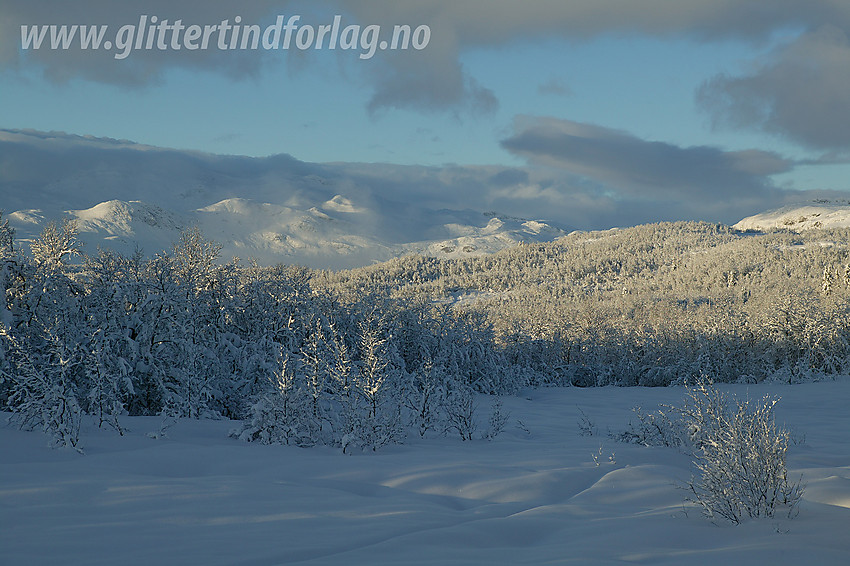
[275, 209]
[278, 208]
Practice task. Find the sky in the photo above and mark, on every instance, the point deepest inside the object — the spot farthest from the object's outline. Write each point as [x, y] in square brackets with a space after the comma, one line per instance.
[634, 110]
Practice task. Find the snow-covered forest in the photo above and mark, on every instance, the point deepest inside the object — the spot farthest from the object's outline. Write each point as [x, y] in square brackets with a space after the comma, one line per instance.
[363, 358]
[652, 305]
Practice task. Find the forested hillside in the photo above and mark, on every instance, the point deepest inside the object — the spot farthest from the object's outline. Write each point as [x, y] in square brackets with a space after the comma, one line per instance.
[363, 358]
[650, 305]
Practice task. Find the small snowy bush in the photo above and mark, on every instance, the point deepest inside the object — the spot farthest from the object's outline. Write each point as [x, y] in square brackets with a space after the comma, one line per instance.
[738, 450]
[280, 416]
[497, 421]
[461, 409]
[741, 459]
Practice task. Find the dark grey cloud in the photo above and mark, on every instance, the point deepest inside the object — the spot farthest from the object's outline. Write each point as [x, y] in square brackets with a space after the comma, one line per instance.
[801, 91]
[637, 168]
[422, 82]
[593, 177]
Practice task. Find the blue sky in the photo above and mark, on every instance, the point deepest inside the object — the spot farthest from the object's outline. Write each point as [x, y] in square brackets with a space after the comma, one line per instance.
[753, 82]
[316, 109]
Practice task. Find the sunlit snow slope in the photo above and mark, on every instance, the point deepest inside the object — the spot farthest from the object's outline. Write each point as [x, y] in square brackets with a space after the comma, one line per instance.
[803, 216]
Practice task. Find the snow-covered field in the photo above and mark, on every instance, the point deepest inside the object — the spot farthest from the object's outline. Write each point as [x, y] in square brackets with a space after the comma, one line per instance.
[532, 496]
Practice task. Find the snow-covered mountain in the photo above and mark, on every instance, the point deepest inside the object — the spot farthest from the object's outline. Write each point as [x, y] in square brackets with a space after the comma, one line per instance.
[275, 209]
[820, 213]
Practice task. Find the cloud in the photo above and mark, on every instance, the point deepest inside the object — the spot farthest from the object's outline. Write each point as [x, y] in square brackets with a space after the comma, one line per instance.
[434, 78]
[428, 80]
[428, 84]
[636, 168]
[496, 22]
[589, 177]
[142, 67]
[555, 87]
[592, 177]
[227, 137]
[801, 91]
[57, 171]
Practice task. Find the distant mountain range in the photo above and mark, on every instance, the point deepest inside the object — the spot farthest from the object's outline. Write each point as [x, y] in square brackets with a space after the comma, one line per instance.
[275, 209]
[278, 209]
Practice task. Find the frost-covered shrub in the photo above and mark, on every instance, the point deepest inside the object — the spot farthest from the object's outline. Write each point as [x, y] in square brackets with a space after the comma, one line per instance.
[662, 427]
[268, 423]
[497, 421]
[737, 448]
[280, 416]
[740, 459]
[424, 395]
[461, 411]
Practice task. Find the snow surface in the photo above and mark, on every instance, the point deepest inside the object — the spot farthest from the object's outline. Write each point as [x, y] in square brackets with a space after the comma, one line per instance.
[803, 216]
[533, 495]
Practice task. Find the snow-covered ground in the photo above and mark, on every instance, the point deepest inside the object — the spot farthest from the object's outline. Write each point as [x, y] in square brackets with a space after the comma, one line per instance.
[533, 495]
[802, 216]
